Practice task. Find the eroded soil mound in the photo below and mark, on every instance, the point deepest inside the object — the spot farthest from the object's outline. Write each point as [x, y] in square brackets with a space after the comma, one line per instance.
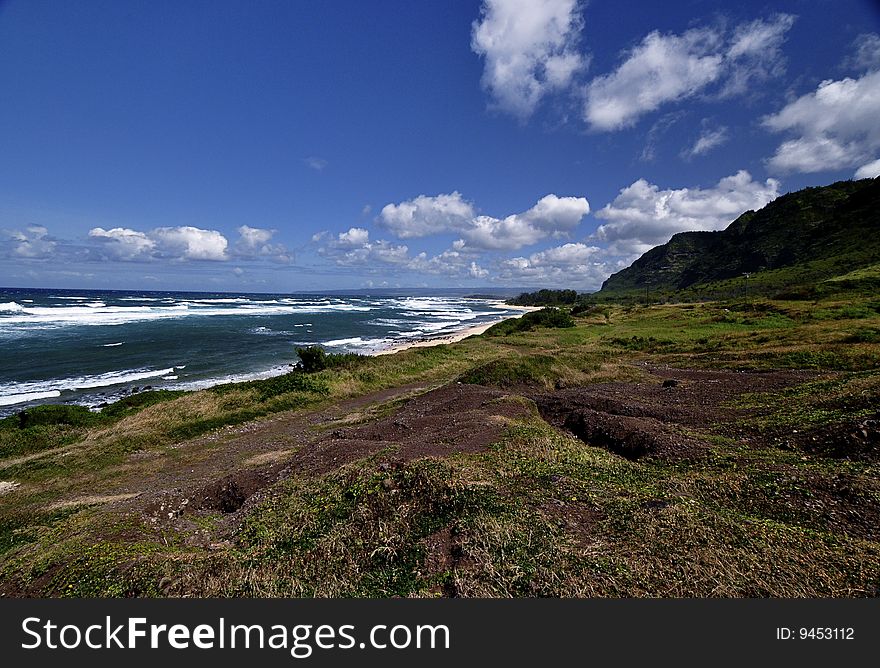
[652, 419]
[453, 419]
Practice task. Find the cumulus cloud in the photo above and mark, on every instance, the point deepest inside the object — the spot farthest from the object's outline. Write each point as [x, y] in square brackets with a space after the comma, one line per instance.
[551, 216]
[569, 264]
[122, 243]
[452, 263]
[354, 248]
[833, 127]
[666, 68]
[530, 49]
[190, 243]
[423, 215]
[708, 140]
[256, 242]
[33, 242]
[642, 215]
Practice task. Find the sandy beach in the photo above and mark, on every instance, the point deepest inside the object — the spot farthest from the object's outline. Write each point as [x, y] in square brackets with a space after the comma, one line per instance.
[457, 336]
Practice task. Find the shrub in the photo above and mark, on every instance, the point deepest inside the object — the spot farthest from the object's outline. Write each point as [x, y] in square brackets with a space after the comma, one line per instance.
[547, 317]
[50, 414]
[314, 359]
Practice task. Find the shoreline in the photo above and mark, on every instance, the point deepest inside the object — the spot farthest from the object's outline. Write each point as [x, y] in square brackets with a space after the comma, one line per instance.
[455, 337]
[103, 398]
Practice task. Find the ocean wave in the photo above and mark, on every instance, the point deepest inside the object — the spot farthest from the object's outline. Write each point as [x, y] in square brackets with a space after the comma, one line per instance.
[344, 342]
[11, 390]
[204, 383]
[16, 316]
[10, 399]
[358, 343]
[112, 345]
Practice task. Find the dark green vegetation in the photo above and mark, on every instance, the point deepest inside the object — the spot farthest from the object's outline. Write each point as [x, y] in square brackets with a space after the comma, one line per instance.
[315, 358]
[545, 298]
[546, 317]
[813, 241]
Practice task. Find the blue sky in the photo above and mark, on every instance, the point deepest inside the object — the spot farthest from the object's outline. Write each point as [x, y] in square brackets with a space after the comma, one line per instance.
[287, 146]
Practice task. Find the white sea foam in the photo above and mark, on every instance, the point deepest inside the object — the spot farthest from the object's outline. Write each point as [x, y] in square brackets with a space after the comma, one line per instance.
[112, 345]
[229, 378]
[344, 342]
[10, 399]
[169, 377]
[53, 388]
[97, 313]
[358, 343]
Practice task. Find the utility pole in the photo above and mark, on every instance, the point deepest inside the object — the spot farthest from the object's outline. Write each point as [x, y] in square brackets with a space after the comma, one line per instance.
[746, 285]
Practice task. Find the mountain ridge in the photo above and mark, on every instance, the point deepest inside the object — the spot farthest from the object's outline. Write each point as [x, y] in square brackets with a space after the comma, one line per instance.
[823, 231]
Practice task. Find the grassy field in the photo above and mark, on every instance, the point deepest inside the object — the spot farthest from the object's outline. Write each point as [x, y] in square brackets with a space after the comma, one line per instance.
[781, 498]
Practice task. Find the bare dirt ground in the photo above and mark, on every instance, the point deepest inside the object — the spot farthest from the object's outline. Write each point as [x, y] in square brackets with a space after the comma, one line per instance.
[652, 419]
[638, 420]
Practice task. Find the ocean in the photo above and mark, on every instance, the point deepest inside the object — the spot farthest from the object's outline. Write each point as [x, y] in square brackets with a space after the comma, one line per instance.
[93, 347]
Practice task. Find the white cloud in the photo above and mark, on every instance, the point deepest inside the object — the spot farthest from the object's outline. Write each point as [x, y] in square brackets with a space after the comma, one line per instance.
[658, 129]
[356, 236]
[707, 141]
[316, 163]
[755, 53]
[190, 243]
[425, 215]
[354, 248]
[33, 242]
[643, 215]
[551, 216]
[663, 68]
[867, 52]
[122, 243]
[869, 171]
[835, 126]
[668, 68]
[255, 242]
[530, 49]
[448, 263]
[573, 264]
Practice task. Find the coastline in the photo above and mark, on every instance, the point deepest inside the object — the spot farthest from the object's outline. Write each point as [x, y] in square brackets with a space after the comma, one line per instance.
[429, 341]
[87, 392]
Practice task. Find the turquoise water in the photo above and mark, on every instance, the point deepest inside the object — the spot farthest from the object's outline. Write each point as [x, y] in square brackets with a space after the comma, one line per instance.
[91, 347]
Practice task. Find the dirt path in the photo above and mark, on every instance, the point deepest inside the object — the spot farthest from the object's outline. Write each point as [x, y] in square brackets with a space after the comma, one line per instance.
[262, 445]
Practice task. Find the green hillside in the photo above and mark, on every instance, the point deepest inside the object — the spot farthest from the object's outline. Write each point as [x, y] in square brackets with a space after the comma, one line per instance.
[822, 238]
